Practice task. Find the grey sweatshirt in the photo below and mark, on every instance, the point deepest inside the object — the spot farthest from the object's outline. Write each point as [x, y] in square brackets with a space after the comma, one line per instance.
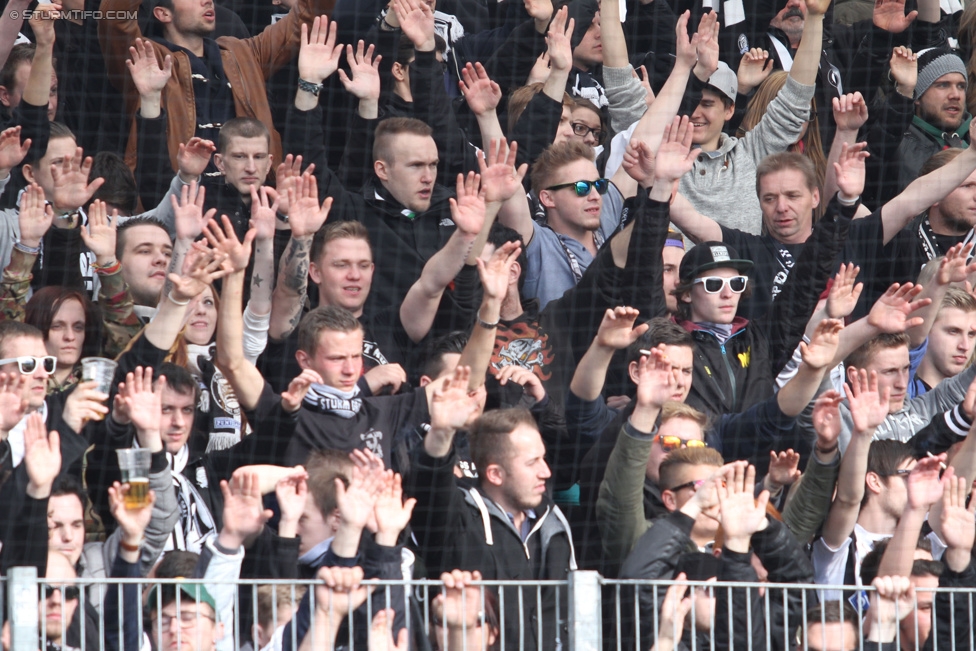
[722, 183]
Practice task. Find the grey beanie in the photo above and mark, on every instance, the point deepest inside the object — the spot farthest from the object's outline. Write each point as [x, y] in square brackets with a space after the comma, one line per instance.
[933, 63]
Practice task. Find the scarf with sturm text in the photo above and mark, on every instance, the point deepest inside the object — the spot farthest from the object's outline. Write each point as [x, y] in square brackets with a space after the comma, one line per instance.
[330, 400]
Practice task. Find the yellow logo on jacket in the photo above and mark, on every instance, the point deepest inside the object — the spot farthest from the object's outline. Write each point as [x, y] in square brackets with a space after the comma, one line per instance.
[745, 357]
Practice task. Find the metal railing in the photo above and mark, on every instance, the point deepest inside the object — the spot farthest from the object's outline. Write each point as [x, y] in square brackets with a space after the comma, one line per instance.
[584, 613]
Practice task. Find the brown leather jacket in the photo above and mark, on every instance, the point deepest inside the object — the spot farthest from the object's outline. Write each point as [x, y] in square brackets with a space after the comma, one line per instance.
[247, 63]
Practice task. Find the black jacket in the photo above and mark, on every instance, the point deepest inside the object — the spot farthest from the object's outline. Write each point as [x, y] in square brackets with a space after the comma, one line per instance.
[733, 376]
[952, 615]
[464, 529]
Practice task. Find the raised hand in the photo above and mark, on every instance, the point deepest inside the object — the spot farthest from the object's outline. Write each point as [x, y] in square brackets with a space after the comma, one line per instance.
[823, 344]
[201, 267]
[817, 7]
[417, 22]
[826, 419]
[468, 210]
[13, 404]
[742, 514]
[708, 48]
[291, 400]
[385, 375]
[244, 513]
[617, 330]
[319, 55]
[99, 236]
[264, 209]
[35, 216]
[148, 76]
[42, 24]
[844, 294]
[638, 162]
[849, 169]
[889, 15]
[674, 157]
[754, 68]
[392, 513]
[539, 73]
[194, 157]
[143, 404]
[952, 267]
[132, 521]
[480, 92]
[42, 456]
[305, 216]
[365, 81]
[850, 112]
[687, 47]
[925, 488]
[85, 403]
[958, 523]
[655, 378]
[495, 273]
[904, 70]
[291, 492]
[558, 40]
[499, 177]
[12, 150]
[674, 609]
[869, 406]
[890, 312]
[784, 468]
[451, 405]
[529, 381]
[236, 254]
[71, 187]
[645, 82]
[288, 172]
[356, 501]
[189, 218]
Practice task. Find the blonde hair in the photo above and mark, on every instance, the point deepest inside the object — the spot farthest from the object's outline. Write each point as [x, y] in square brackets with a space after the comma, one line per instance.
[674, 409]
[812, 146]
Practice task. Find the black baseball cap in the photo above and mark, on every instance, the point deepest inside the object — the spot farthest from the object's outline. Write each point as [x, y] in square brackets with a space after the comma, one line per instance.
[711, 255]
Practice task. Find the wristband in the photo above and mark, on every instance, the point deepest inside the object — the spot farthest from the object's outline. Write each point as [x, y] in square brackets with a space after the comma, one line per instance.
[309, 87]
[484, 324]
[176, 302]
[847, 202]
[129, 548]
[30, 250]
[107, 269]
[830, 450]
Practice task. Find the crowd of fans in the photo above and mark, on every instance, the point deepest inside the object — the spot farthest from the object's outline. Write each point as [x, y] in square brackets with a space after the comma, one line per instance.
[484, 290]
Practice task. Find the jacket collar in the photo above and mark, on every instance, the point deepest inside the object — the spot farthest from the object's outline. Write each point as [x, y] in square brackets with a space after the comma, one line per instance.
[738, 325]
[374, 192]
[938, 134]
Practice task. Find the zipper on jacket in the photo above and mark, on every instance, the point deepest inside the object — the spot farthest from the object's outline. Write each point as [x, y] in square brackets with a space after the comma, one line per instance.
[728, 367]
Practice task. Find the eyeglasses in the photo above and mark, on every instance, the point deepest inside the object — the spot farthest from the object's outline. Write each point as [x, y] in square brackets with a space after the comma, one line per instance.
[671, 443]
[715, 284]
[583, 187]
[70, 592]
[582, 131]
[903, 473]
[693, 485]
[186, 618]
[29, 364]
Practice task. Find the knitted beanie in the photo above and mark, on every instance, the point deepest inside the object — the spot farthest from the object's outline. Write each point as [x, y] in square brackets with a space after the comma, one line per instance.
[933, 63]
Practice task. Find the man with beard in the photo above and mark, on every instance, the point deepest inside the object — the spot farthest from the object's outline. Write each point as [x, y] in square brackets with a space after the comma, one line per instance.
[941, 120]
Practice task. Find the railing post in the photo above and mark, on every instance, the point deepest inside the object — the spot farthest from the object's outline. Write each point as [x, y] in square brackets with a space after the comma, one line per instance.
[585, 611]
[22, 600]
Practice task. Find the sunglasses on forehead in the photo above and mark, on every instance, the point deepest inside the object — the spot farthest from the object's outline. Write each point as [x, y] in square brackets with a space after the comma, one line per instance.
[714, 284]
[28, 365]
[583, 187]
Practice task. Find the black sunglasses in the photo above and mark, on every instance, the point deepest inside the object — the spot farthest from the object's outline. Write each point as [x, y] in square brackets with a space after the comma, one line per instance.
[583, 187]
[70, 592]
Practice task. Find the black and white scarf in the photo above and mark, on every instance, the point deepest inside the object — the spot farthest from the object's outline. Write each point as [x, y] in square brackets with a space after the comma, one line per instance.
[330, 400]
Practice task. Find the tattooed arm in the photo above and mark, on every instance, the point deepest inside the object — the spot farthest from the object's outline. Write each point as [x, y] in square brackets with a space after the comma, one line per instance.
[257, 314]
[306, 217]
[289, 293]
